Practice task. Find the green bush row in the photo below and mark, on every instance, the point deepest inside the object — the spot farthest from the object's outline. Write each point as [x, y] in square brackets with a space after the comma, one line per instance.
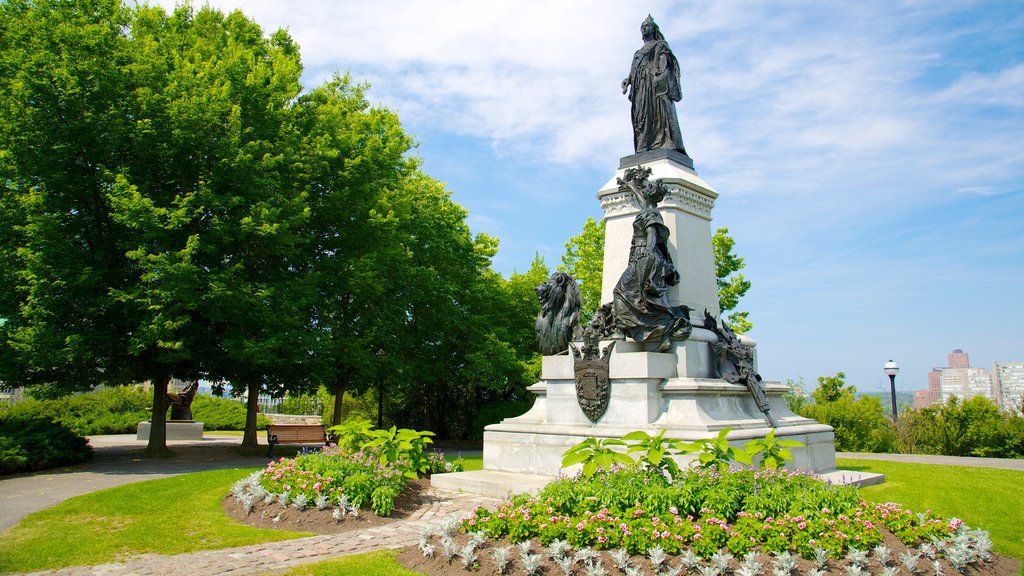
[35, 443]
[119, 410]
[975, 427]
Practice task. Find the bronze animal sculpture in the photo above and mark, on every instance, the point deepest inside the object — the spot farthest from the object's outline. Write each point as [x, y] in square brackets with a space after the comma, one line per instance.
[559, 314]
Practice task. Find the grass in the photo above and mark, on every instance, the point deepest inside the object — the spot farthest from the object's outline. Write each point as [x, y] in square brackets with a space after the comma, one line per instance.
[167, 516]
[380, 563]
[986, 498]
[471, 462]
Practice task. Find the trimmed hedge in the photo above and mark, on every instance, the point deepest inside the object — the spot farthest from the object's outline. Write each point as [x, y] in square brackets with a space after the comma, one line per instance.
[119, 411]
[222, 414]
[28, 444]
[109, 411]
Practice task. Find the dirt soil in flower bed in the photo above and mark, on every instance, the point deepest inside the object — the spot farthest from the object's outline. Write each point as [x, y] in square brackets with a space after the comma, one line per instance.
[413, 559]
[322, 521]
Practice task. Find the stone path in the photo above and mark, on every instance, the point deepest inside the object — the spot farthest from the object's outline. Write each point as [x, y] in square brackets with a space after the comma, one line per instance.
[277, 556]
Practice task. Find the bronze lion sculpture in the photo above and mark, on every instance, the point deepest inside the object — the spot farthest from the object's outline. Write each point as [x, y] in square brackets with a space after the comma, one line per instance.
[559, 314]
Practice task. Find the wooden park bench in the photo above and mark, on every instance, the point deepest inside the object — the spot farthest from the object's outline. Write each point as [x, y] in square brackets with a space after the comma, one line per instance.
[296, 434]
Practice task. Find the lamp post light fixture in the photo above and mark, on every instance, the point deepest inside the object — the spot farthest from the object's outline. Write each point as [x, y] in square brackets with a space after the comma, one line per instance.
[891, 369]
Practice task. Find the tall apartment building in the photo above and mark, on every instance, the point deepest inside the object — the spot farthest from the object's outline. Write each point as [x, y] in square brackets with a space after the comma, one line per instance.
[958, 359]
[1009, 385]
[965, 383]
[960, 380]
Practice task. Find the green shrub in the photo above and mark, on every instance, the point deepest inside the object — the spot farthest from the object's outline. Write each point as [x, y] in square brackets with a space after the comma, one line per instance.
[115, 410]
[860, 424]
[974, 427]
[222, 414]
[36, 443]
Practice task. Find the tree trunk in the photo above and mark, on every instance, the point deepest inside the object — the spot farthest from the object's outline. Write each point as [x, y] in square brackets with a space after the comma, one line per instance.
[252, 405]
[158, 424]
[339, 398]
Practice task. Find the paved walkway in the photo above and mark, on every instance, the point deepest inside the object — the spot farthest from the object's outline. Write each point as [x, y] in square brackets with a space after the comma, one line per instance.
[1004, 463]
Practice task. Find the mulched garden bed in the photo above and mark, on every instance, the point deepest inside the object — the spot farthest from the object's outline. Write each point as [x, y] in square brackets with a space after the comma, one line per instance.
[322, 521]
[413, 559]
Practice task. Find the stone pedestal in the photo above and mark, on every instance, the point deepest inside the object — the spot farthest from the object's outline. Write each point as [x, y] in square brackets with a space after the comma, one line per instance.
[686, 210]
[650, 391]
[176, 430]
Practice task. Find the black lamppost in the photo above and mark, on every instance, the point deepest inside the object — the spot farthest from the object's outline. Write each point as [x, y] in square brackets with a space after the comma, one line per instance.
[891, 369]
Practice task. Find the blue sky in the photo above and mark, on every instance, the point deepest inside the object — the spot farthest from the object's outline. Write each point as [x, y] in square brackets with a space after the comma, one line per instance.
[868, 154]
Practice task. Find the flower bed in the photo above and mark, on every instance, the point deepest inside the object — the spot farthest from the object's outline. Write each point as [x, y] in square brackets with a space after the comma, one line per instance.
[737, 521]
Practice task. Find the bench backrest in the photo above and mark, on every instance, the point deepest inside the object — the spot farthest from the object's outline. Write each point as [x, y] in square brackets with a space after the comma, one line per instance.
[297, 432]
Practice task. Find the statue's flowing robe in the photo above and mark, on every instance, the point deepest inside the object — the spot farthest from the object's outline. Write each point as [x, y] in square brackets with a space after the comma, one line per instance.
[654, 78]
[641, 306]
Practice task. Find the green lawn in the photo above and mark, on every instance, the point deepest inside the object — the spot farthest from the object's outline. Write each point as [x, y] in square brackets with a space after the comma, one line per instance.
[167, 516]
[380, 563]
[985, 498]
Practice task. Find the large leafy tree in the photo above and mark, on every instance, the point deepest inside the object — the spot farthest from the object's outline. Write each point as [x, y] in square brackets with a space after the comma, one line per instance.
[165, 190]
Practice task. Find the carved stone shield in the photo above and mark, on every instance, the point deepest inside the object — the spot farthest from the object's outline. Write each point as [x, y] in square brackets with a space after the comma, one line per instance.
[592, 389]
[591, 368]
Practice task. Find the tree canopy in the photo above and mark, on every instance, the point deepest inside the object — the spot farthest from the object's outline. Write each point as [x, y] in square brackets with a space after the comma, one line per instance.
[174, 204]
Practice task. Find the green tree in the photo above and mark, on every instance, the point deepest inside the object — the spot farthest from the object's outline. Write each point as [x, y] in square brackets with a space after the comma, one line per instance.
[731, 284]
[167, 191]
[357, 154]
[832, 388]
[860, 424]
[584, 260]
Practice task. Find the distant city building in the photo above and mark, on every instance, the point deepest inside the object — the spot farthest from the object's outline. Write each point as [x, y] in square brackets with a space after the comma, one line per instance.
[922, 399]
[934, 386]
[1009, 385]
[960, 380]
[958, 359]
[965, 383]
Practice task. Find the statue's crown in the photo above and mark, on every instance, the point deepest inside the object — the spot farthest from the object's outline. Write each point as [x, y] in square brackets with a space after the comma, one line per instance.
[649, 20]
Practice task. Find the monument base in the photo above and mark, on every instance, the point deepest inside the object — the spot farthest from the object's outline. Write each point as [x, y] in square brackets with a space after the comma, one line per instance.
[176, 430]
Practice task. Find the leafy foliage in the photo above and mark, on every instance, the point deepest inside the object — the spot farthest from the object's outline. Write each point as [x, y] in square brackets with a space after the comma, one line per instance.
[584, 260]
[596, 453]
[654, 450]
[116, 410]
[731, 284]
[715, 452]
[223, 414]
[402, 447]
[974, 427]
[860, 424]
[352, 434]
[773, 452]
[706, 511]
[35, 443]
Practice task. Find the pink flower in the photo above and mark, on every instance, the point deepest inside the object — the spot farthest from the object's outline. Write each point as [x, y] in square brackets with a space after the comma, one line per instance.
[802, 525]
[674, 511]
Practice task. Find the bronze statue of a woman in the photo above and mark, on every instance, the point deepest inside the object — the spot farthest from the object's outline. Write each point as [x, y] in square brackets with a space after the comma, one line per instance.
[654, 87]
[640, 300]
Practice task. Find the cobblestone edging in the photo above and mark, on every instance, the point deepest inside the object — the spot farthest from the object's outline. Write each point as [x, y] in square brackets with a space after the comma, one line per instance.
[276, 556]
